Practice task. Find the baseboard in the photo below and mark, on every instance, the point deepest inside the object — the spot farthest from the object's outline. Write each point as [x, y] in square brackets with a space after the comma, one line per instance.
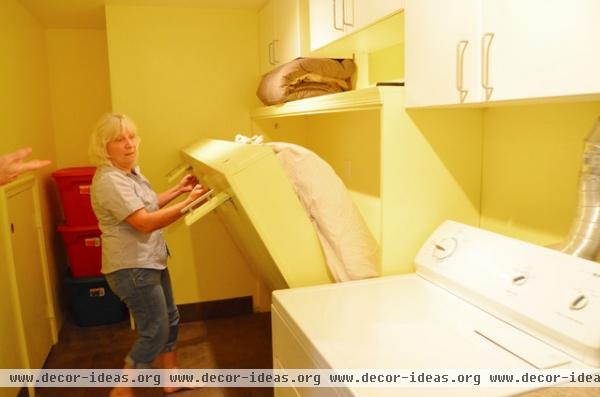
[215, 309]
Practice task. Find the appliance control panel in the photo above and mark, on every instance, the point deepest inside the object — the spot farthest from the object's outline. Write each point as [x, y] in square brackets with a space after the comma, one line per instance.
[548, 294]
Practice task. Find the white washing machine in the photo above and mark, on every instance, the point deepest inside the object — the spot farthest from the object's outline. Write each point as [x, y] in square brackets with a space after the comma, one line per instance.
[478, 300]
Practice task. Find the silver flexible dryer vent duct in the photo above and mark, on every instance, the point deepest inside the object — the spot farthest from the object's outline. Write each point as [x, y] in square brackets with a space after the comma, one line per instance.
[584, 238]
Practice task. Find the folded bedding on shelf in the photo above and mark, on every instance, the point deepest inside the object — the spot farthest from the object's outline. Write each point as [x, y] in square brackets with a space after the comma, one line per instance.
[304, 78]
[349, 247]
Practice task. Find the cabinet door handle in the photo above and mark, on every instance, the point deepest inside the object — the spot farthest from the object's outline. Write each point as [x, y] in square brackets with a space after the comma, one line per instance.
[271, 45]
[349, 22]
[460, 69]
[275, 60]
[334, 16]
[486, 42]
[198, 213]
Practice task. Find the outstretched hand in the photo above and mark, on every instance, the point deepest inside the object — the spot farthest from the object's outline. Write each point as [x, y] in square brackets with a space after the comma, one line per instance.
[12, 165]
[187, 183]
[197, 191]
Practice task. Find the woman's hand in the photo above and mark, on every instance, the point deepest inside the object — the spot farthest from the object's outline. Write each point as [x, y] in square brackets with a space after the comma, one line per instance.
[147, 222]
[13, 164]
[197, 191]
[186, 184]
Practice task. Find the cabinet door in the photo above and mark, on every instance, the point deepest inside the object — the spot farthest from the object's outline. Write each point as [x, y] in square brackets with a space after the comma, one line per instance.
[10, 356]
[266, 36]
[442, 47]
[326, 22]
[278, 33]
[29, 273]
[542, 48]
[287, 22]
[366, 12]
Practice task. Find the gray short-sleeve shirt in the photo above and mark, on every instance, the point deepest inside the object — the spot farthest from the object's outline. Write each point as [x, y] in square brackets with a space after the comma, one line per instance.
[117, 194]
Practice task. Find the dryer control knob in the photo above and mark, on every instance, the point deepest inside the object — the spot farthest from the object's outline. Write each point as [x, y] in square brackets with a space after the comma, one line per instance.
[444, 247]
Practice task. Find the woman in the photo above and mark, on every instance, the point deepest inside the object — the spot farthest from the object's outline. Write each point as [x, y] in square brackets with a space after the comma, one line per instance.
[134, 253]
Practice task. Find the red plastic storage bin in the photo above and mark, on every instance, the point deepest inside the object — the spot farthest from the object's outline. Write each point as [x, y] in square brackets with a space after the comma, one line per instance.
[84, 249]
[74, 189]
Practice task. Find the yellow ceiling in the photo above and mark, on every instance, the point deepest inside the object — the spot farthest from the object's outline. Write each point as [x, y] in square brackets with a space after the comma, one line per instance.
[89, 14]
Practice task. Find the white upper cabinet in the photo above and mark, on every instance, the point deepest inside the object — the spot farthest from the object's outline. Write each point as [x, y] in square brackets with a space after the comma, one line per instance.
[287, 46]
[543, 48]
[278, 33]
[326, 18]
[266, 36]
[478, 51]
[441, 52]
[333, 19]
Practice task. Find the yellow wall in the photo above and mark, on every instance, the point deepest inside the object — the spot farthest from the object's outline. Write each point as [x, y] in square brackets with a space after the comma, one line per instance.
[79, 87]
[431, 171]
[387, 64]
[25, 121]
[531, 162]
[184, 74]
[25, 101]
[350, 143]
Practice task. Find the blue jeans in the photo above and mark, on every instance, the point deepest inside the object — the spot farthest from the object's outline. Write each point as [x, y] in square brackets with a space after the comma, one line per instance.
[149, 297]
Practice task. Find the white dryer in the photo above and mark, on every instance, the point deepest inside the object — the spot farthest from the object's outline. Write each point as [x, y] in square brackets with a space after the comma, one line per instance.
[478, 300]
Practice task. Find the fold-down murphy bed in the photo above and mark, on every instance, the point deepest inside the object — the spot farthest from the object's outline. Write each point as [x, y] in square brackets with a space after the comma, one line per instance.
[258, 206]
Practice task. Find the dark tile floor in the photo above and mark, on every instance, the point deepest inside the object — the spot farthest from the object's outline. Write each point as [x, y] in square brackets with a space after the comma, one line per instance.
[233, 342]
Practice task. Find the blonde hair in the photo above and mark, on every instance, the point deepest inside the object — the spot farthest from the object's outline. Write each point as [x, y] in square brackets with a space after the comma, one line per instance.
[109, 127]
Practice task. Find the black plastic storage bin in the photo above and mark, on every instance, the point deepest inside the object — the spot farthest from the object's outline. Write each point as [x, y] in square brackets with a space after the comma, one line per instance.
[91, 301]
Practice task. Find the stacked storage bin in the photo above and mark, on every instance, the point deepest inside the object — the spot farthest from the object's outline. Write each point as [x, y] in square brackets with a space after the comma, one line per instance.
[90, 299]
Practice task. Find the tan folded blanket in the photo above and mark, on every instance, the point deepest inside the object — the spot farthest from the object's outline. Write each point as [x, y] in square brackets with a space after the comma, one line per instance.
[305, 77]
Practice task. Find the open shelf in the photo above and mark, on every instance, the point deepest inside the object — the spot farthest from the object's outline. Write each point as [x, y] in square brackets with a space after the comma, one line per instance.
[355, 100]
